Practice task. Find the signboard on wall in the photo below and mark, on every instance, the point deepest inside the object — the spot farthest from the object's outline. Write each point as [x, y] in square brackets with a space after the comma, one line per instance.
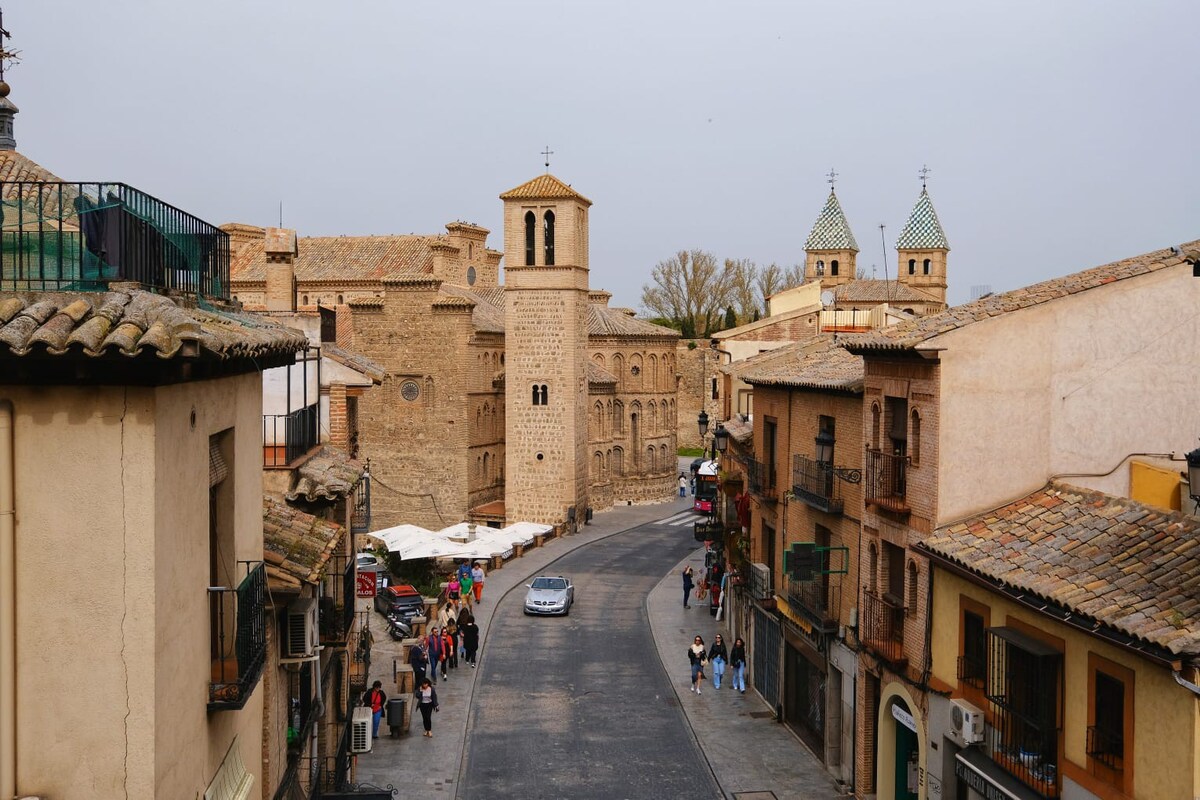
[366, 584]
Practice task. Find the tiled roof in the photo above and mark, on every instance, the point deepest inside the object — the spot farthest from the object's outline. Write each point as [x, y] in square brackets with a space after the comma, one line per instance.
[1125, 565]
[742, 431]
[328, 475]
[597, 374]
[544, 187]
[819, 364]
[923, 231]
[605, 321]
[16, 167]
[485, 317]
[130, 322]
[356, 362]
[341, 258]
[907, 335]
[297, 546]
[831, 231]
[870, 290]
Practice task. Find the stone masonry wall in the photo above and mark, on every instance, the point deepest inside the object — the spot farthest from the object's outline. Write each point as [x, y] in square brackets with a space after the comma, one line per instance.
[696, 366]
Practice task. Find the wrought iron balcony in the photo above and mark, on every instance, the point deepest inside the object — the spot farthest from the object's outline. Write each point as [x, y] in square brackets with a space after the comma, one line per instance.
[886, 481]
[972, 671]
[360, 655]
[287, 437]
[1107, 747]
[881, 626]
[360, 514]
[337, 610]
[815, 484]
[811, 598]
[1025, 692]
[238, 639]
[762, 479]
[83, 236]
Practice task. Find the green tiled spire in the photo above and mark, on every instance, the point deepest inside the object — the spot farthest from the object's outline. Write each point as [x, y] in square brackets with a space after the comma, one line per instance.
[923, 231]
[831, 231]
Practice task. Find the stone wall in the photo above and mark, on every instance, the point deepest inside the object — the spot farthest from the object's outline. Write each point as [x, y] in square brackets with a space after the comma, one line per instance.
[696, 366]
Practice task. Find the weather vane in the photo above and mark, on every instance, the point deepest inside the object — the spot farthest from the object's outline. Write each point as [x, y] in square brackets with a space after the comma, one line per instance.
[831, 178]
[547, 153]
[924, 173]
[6, 56]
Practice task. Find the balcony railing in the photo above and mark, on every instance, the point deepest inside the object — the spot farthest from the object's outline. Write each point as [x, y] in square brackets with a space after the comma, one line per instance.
[1025, 693]
[337, 609]
[812, 600]
[813, 483]
[239, 640]
[360, 654]
[886, 481]
[1107, 747]
[83, 236]
[360, 514]
[287, 437]
[972, 670]
[882, 626]
[762, 479]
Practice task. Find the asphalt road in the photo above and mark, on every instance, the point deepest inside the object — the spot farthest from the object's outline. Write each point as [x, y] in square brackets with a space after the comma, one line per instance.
[580, 706]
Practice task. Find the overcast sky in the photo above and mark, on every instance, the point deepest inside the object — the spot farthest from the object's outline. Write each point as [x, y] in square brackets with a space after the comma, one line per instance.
[1060, 135]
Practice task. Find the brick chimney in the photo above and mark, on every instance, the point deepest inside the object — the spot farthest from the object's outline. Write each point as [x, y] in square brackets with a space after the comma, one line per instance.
[279, 247]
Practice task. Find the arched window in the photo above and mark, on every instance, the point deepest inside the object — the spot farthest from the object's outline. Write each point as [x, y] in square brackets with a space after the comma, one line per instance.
[820, 268]
[618, 417]
[545, 395]
[549, 238]
[912, 587]
[304, 300]
[926, 266]
[487, 467]
[650, 460]
[662, 458]
[912, 266]
[597, 466]
[340, 301]
[872, 567]
[536, 395]
[530, 237]
[875, 425]
[833, 267]
[618, 461]
[914, 438]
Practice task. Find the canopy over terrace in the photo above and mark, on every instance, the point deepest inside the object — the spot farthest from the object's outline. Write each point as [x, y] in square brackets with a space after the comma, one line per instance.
[399, 537]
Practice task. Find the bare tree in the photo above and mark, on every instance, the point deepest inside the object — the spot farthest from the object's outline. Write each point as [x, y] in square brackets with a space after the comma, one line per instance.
[770, 281]
[746, 300]
[793, 275]
[690, 288]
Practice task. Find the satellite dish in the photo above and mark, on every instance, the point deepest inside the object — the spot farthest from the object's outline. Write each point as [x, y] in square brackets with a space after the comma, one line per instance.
[827, 297]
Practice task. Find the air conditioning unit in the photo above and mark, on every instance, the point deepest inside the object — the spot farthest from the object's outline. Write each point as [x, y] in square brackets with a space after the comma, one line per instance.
[360, 730]
[966, 722]
[301, 633]
[760, 581]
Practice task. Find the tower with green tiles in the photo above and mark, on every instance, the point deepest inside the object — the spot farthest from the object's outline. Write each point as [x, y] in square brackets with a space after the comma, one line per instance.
[921, 250]
[830, 250]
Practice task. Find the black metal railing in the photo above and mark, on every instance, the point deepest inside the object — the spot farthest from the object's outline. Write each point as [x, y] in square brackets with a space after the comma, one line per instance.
[812, 599]
[1106, 746]
[337, 608]
[239, 639]
[360, 514]
[1025, 692]
[61, 236]
[881, 625]
[887, 480]
[972, 670]
[762, 478]
[360, 653]
[287, 437]
[813, 483]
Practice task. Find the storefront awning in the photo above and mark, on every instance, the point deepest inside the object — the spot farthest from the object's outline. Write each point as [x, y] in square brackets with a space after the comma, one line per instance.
[973, 767]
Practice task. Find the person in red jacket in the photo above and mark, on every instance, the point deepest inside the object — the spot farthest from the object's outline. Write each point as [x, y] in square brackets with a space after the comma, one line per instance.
[375, 698]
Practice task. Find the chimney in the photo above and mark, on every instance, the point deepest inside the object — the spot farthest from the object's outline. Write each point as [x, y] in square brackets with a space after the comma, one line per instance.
[471, 532]
[279, 247]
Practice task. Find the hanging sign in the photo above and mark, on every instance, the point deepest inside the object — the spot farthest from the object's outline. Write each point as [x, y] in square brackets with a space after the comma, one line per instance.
[366, 584]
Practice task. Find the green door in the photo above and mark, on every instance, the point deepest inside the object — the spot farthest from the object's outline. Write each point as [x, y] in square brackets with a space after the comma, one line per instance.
[906, 760]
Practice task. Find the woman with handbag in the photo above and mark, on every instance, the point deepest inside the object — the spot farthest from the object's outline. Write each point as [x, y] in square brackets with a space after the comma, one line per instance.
[737, 660]
[427, 703]
[698, 658]
[718, 656]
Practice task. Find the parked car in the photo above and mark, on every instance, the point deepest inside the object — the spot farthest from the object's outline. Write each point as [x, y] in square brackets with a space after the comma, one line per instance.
[401, 600]
[368, 562]
[549, 595]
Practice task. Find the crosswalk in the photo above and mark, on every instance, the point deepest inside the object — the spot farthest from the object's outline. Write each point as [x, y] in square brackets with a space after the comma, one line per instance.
[682, 518]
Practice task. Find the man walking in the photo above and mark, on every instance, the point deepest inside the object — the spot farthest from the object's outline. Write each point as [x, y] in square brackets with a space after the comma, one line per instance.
[477, 578]
[683, 485]
[418, 660]
[375, 698]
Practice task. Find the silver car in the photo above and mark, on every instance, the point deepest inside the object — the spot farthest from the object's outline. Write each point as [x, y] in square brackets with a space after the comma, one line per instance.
[549, 595]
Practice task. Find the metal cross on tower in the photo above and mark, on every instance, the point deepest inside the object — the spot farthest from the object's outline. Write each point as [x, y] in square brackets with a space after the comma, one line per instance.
[924, 173]
[831, 178]
[547, 153]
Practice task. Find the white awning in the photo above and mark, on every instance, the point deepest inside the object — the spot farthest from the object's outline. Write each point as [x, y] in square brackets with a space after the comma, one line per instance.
[232, 781]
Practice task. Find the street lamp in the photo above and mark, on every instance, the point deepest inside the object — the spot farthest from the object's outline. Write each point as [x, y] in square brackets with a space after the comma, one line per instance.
[703, 422]
[825, 444]
[720, 439]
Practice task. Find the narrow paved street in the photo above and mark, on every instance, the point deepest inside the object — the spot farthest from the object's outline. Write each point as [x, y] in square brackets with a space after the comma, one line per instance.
[580, 706]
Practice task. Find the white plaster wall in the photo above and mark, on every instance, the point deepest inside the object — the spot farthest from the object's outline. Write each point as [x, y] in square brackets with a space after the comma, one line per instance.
[1070, 386]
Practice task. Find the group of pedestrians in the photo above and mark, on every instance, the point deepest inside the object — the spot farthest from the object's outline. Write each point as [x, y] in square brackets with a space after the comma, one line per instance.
[440, 650]
[719, 657]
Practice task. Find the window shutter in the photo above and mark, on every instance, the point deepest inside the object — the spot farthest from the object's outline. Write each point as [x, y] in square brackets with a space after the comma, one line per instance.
[218, 470]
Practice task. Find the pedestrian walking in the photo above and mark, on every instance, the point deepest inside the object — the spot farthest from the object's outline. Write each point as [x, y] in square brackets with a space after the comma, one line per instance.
[687, 585]
[464, 571]
[446, 614]
[693, 485]
[453, 587]
[737, 660]
[466, 584]
[447, 653]
[698, 658]
[433, 647]
[683, 485]
[427, 703]
[375, 699]
[718, 657]
[470, 639]
[452, 633]
[418, 659]
[477, 578]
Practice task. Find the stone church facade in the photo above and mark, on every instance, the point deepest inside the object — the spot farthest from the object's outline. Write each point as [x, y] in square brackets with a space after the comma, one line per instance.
[483, 377]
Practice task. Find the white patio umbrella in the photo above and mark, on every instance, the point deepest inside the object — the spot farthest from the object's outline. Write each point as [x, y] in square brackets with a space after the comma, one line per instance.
[523, 532]
[433, 546]
[398, 537]
[486, 547]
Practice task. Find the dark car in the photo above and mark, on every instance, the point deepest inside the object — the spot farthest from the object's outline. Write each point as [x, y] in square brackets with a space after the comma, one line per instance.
[402, 601]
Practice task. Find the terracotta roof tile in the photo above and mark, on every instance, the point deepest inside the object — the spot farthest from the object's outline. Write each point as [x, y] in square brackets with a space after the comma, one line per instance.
[297, 546]
[132, 322]
[328, 475]
[342, 258]
[358, 363]
[1130, 567]
[486, 317]
[907, 335]
[597, 374]
[817, 364]
[544, 187]
[874, 291]
[605, 321]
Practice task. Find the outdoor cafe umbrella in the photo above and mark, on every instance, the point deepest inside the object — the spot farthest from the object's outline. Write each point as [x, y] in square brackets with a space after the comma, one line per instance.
[399, 537]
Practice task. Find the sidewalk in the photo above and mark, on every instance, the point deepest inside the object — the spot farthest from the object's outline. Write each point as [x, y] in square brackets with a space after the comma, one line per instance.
[747, 749]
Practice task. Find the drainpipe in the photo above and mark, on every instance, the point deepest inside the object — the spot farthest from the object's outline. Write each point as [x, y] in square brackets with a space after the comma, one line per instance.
[8, 604]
